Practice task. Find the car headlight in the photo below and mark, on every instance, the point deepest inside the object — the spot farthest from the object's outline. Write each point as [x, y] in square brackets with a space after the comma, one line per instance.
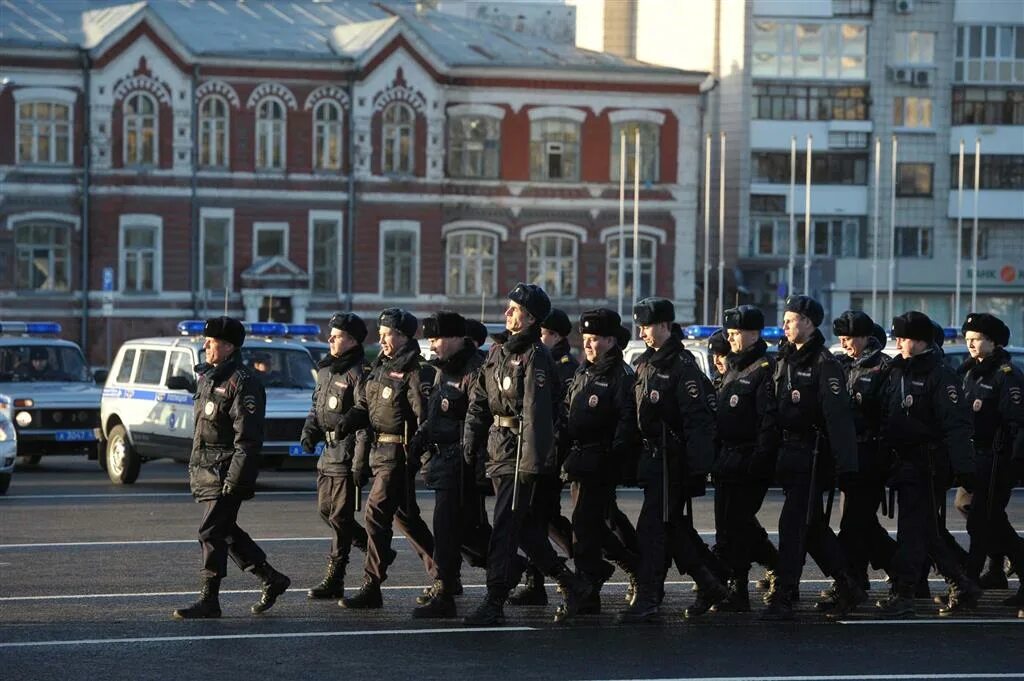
[23, 419]
[7, 433]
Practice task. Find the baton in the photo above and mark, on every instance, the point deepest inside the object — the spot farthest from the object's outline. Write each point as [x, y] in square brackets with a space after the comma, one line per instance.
[519, 457]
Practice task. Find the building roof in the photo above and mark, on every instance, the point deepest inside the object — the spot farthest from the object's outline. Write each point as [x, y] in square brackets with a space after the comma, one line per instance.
[308, 30]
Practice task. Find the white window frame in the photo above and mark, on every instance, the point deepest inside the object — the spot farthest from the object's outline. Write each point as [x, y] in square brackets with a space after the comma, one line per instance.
[612, 265]
[69, 221]
[906, 43]
[258, 227]
[390, 136]
[544, 176]
[125, 118]
[387, 226]
[265, 134]
[34, 95]
[466, 147]
[217, 214]
[155, 222]
[833, 48]
[962, 59]
[322, 127]
[219, 157]
[617, 127]
[921, 229]
[325, 216]
[464, 273]
[573, 232]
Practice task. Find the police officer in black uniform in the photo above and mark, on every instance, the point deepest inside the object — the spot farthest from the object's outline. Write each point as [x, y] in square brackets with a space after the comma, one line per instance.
[229, 412]
[600, 428]
[512, 408]
[477, 332]
[340, 377]
[748, 443]
[438, 444]
[718, 348]
[927, 424]
[393, 403]
[993, 387]
[676, 418]
[862, 537]
[554, 334]
[818, 441]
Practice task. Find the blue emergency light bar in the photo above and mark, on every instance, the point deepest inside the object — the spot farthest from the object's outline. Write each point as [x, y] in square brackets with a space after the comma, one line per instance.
[265, 328]
[31, 328]
[303, 329]
[772, 333]
[700, 331]
[191, 327]
[950, 332]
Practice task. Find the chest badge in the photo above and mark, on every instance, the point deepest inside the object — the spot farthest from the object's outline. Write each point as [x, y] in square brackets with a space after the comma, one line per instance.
[445, 404]
[976, 406]
[506, 383]
[592, 401]
[908, 401]
[734, 400]
[386, 393]
[209, 408]
[794, 397]
[332, 403]
[654, 396]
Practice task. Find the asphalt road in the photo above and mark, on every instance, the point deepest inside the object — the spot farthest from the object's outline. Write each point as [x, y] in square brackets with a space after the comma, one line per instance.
[90, 572]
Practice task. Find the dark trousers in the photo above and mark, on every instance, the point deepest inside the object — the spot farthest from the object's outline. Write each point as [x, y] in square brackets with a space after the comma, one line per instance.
[592, 536]
[987, 522]
[548, 506]
[392, 499]
[797, 538]
[220, 536]
[661, 541]
[740, 538]
[918, 534]
[513, 529]
[623, 535]
[461, 530]
[862, 537]
[335, 499]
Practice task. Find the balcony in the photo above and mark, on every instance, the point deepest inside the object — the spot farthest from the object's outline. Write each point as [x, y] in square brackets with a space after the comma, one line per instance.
[996, 204]
[1007, 139]
[826, 199]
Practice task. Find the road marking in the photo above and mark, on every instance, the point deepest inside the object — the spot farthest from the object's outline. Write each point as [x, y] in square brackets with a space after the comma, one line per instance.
[1009, 619]
[848, 677]
[228, 637]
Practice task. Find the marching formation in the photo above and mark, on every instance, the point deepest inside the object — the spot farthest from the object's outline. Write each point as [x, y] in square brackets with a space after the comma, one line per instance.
[523, 420]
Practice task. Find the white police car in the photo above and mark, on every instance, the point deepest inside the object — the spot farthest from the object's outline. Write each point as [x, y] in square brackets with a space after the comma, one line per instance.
[8, 446]
[146, 411]
[48, 391]
[309, 336]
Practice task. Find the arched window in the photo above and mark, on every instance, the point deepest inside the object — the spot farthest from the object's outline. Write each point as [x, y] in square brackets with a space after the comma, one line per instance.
[472, 263]
[213, 132]
[270, 134]
[645, 260]
[397, 139]
[327, 136]
[140, 129]
[551, 263]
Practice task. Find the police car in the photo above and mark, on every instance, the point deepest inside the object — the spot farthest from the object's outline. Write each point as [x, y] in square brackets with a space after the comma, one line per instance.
[8, 447]
[146, 411]
[309, 336]
[48, 391]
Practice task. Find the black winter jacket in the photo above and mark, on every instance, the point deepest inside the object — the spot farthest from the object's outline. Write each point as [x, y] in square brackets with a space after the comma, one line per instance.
[338, 382]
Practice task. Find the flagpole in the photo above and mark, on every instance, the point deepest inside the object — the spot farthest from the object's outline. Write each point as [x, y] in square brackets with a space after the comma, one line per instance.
[892, 226]
[974, 237]
[636, 216]
[721, 229]
[807, 218]
[874, 240]
[959, 234]
[707, 227]
[791, 272]
[622, 219]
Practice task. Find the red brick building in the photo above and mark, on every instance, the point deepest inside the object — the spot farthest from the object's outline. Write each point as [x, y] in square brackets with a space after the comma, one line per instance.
[293, 160]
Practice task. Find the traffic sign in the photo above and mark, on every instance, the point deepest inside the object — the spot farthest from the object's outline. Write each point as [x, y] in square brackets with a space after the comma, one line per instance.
[108, 279]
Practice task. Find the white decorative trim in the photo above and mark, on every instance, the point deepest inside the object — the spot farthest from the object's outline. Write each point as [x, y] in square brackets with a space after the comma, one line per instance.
[488, 110]
[564, 227]
[47, 94]
[561, 112]
[15, 218]
[640, 115]
[141, 220]
[399, 226]
[475, 226]
[258, 227]
[326, 92]
[265, 90]
[218, 87]
[338, 218]
[400, 93]
[645, 230]
[145, 83]
[217, 213]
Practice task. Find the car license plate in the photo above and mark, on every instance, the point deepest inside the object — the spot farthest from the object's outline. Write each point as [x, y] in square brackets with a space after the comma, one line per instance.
[296, 450]
[75, 436]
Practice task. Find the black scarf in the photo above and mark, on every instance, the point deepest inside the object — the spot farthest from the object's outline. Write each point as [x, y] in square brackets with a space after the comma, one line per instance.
[344, 361]
[518, 343]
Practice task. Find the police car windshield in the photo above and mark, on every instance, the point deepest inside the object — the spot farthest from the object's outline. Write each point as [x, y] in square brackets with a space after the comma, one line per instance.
[281, 367]
[35, 363]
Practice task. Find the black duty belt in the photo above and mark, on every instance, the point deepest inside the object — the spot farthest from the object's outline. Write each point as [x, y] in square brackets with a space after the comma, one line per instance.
[390, 439]
[508, 422]
[330, 438]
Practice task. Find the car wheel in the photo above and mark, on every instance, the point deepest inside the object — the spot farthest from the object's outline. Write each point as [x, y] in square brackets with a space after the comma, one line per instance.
[122, 460]
[5, 482]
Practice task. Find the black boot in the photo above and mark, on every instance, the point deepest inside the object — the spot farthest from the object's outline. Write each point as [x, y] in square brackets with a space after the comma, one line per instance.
[994, 576]
[333, 584]
[454, 590]
[440, 606]
[828, 597]
[794, 591]
[629, 566]
[273, 584]
[532, 592]
[367, 598]
[766, 581]
[488, 613]
[208, 605]
[575, 590]
[964, 596]
[899, 604]
[710, 592]
[738, 599]
[849, 594]
[780, 608]
[644, 607]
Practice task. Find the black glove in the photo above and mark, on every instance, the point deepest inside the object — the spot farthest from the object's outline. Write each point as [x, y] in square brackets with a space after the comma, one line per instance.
[227, 489]
[308, 443]
[696, 486]
[415, 447]
[965, 480]
[846, 481]
[360, 475]
[341, 432]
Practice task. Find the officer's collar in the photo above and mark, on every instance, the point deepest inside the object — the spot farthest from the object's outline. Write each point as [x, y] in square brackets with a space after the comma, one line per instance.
[870, 355]
[518, 343]
[344, 361]
[741, 360]
[986, 366]
[225, 368]
[805, 352]
[404, 358]
[924, 362]
[560, 349]
[672, 346]
[606, 363]
[457, 362]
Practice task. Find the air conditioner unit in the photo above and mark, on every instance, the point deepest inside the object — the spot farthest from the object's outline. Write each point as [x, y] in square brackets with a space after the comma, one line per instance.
[923, 77]
[903, 6]
[901, 74]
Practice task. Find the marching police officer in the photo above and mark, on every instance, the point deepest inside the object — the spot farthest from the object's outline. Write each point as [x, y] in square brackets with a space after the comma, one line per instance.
[477, 332]
[340, 377]
[600, 427]
[675, 413]
[229, 411]
[993, 387]
[438, 444]
[393, 403]
[748, 442]
[927, 424]
[862, 537]
[718, 348]
[512, 408]
[554, 334]
[813, 413]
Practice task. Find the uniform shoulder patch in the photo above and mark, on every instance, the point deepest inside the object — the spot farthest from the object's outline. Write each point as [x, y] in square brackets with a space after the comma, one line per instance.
[1006, 368]
[951, 392]
[565, 359]
[1015, 394]
[834, 386]
[691, 389]
[541, 377]
[249, 403]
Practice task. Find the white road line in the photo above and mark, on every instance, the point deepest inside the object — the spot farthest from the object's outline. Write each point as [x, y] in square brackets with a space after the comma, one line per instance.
[132, 495]
[1009, 619]
[847, 677]
[227, 637]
